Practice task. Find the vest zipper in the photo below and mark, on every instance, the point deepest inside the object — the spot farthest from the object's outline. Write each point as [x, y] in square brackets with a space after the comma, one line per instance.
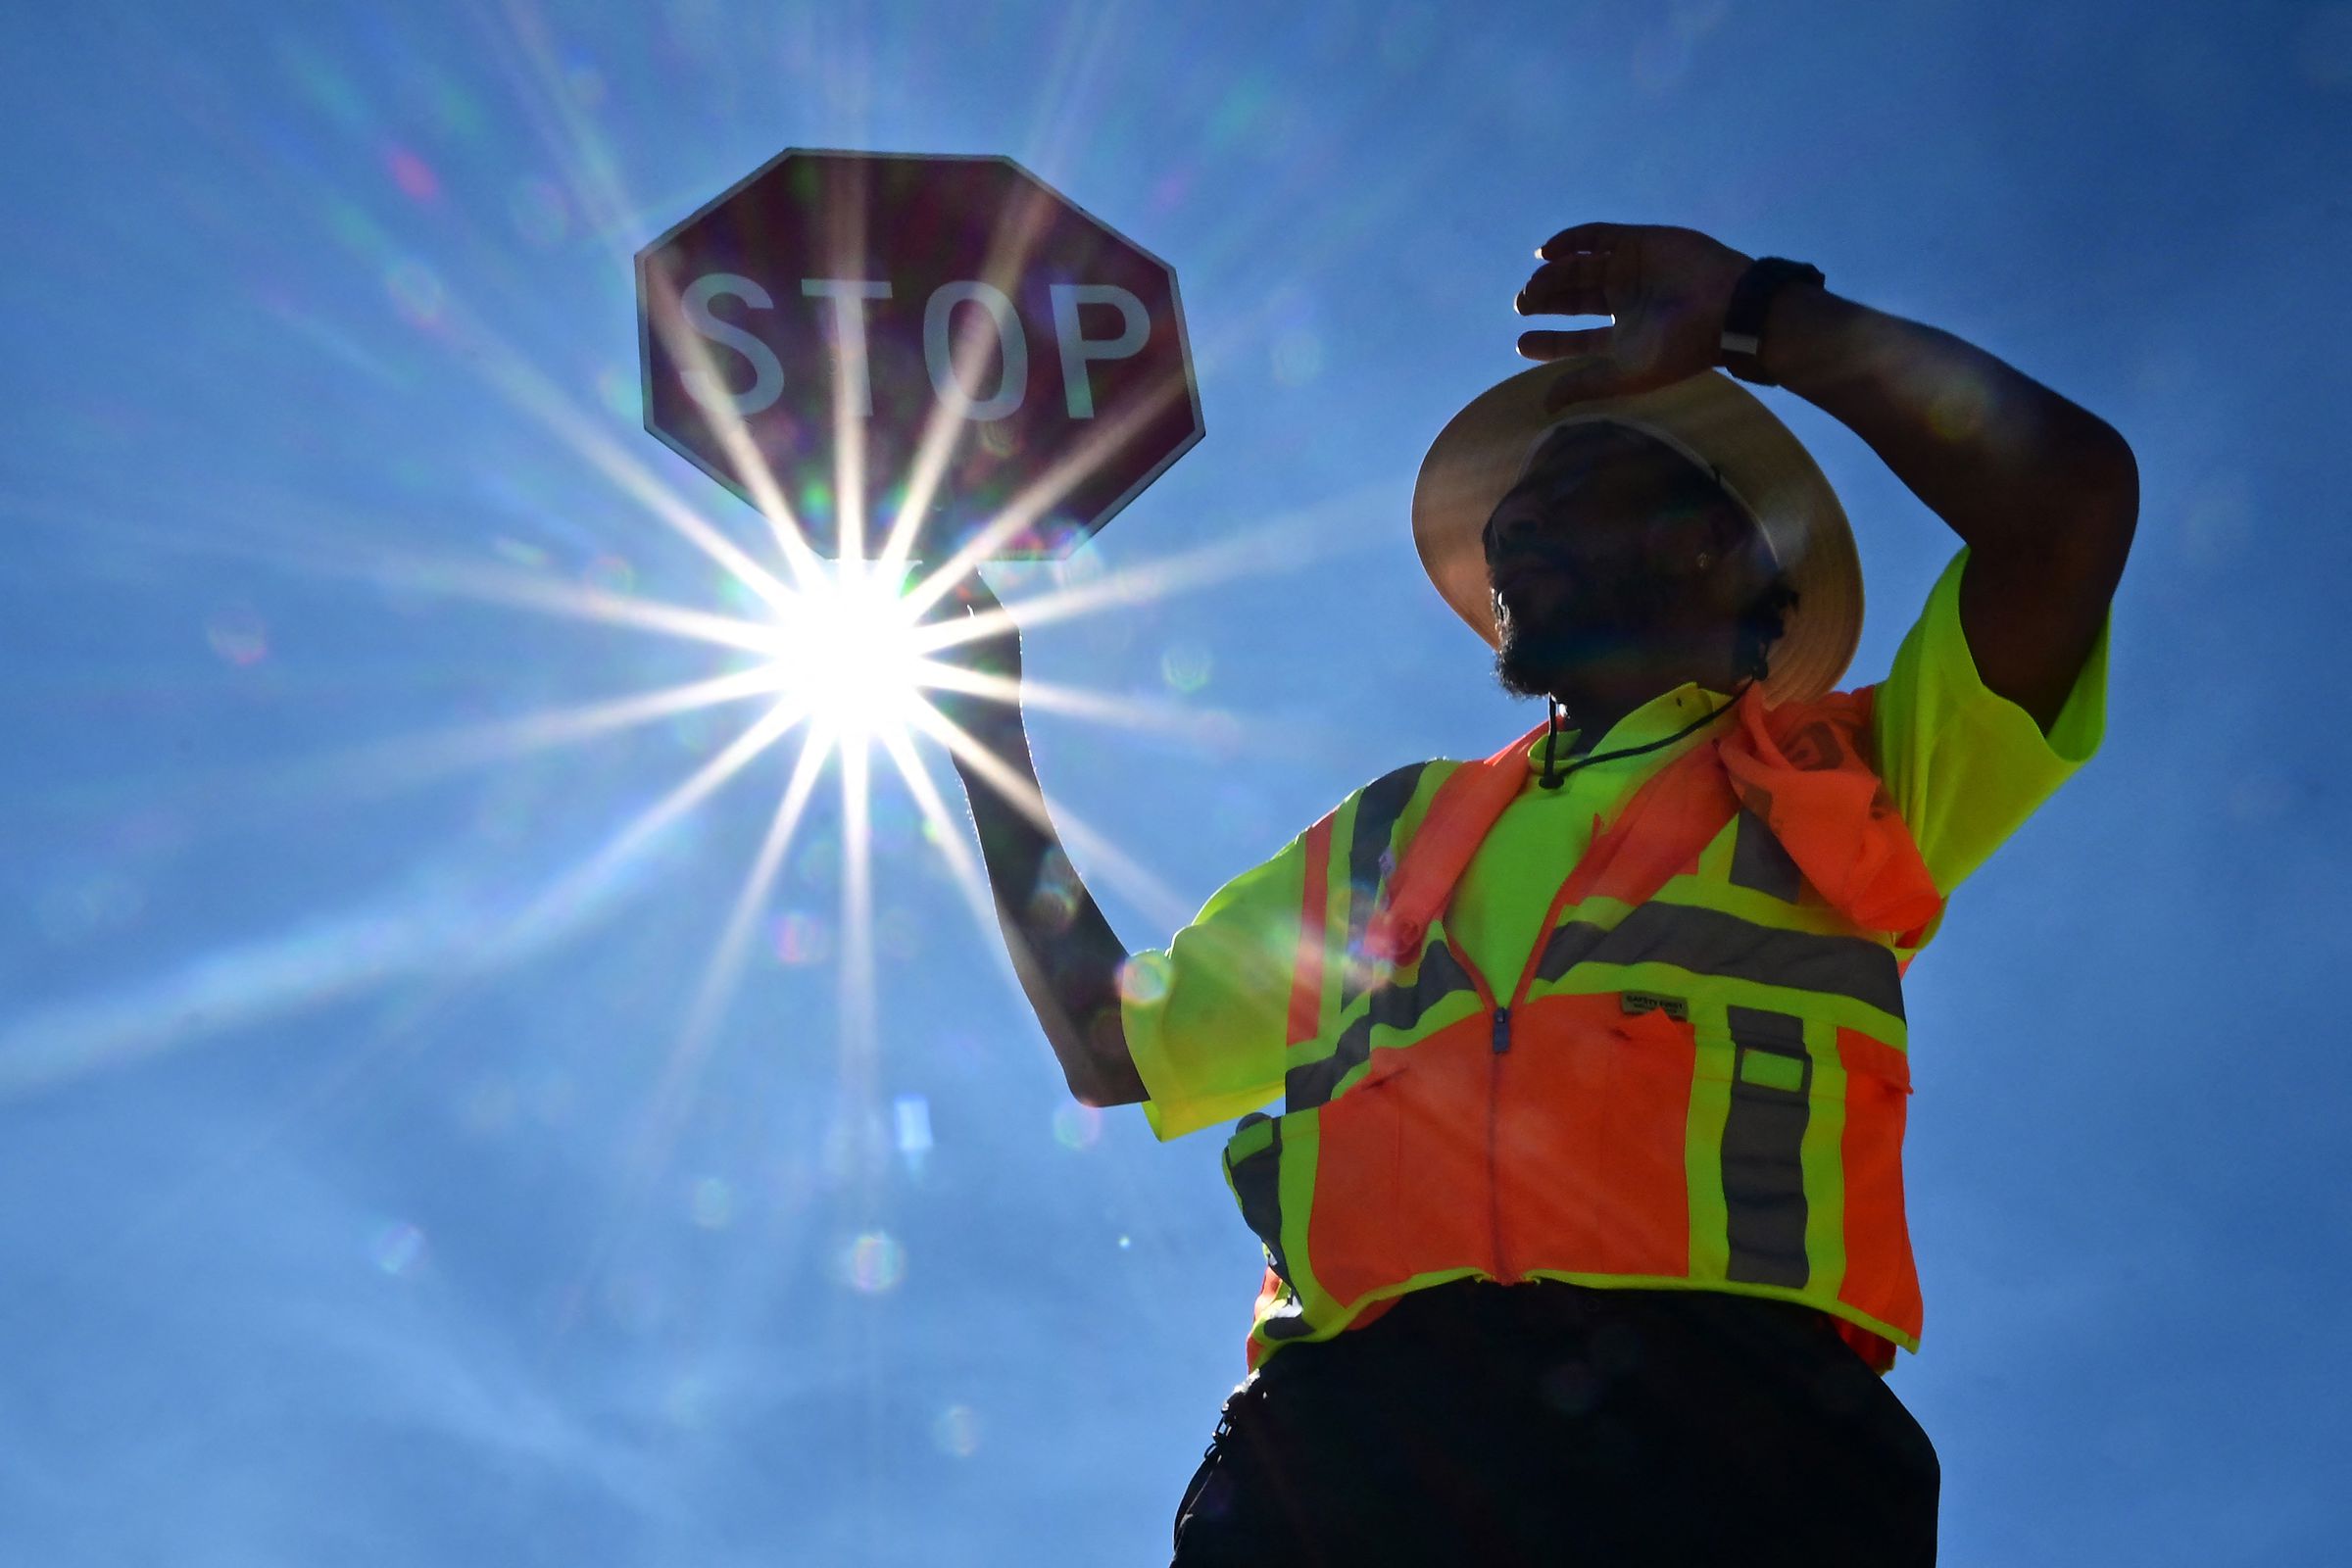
[1502, 1030]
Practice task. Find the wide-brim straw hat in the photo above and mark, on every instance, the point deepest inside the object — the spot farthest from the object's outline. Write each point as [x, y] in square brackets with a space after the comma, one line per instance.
[1717, 424]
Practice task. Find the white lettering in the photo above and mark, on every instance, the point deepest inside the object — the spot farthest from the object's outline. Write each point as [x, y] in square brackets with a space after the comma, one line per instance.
[1012, 346]
[709, 387]
[848, 295]
[1077, 349]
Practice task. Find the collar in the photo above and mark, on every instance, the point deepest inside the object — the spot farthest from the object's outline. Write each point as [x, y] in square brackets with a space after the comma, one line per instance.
[1654, 720]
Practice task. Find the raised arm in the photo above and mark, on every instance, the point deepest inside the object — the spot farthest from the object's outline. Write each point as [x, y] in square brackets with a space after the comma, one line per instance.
[2045, 494]
[1064, 951]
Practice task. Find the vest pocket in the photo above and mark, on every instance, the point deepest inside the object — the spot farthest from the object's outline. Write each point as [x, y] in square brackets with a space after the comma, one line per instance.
[1400, 1183]
[1881, 1277]
[1590, 1134]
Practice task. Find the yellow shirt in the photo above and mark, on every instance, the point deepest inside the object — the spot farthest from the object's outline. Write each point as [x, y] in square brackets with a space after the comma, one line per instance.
[1207, 1018]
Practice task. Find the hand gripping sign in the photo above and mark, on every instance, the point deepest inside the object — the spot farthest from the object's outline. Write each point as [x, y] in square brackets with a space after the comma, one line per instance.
[852, 333]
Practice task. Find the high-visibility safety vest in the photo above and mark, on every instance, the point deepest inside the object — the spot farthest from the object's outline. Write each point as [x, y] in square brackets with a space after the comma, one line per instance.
[1698, 1081]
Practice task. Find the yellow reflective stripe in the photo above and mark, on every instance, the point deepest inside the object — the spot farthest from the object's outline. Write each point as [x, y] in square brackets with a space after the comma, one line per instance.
[1703, 1137]
[1328, 1318]
[1767, 1071]
[1824, 1160]
[1303, 1151]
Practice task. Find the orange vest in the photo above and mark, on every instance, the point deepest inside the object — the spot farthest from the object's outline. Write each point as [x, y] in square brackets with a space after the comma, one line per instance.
[1698, 1081]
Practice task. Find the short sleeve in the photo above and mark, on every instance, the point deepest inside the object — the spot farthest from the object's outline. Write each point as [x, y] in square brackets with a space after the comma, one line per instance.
[1965, 766]
[1208, 1018]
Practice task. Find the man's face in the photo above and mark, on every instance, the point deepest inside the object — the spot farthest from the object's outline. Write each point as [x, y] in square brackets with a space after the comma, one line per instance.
[1596, 556]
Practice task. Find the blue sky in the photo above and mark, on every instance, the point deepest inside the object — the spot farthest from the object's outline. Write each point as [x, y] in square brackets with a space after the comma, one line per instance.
[331, 1223]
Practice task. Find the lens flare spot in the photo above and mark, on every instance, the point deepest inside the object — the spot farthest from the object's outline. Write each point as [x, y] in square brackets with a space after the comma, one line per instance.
[634, 1303]
[711, 1204]
[911, 1116]
[609, 574]
[1054, 906]
[416, 290]
[1185, 666]
[239, 636]
[89, 907]
[1077, 1126]
[413, 174]
[1144, 978]
[489, 1107]
[873, 1263]
[398, 1249]
[517, 553]
[801, 938]
[1958, 411]
[956, 1432]
[619, 392]
[686, 1403]
[1298, 356]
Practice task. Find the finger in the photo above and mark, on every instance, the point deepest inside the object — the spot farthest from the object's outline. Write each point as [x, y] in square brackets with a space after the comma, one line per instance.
[1570, 288]
[1583, 377]
[1582, 237]
[1592, 341]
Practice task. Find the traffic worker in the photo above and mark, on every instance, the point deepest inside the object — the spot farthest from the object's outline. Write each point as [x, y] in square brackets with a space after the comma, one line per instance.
[1583, 1212]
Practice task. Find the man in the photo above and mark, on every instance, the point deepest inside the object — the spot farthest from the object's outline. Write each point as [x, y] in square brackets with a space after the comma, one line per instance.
[1603, 1264]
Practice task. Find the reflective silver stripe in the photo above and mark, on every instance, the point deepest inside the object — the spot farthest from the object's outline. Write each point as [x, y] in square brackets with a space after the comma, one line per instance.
[1763, 1137]
[1759, 861]
[1711, 942]
[1256, 1179]
[1377, 810]
[1288, 1321]
[1393, 1007]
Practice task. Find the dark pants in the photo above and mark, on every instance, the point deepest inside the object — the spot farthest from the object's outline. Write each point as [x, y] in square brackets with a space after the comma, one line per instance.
[1481, 1424]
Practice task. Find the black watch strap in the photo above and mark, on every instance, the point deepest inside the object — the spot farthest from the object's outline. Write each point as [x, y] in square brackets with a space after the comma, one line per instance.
[1743, 319]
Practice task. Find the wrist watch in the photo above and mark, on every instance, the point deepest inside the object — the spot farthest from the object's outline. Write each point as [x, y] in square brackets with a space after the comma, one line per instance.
[1742, 343]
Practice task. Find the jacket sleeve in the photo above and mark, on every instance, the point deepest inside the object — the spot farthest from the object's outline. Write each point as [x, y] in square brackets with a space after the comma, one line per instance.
[1208, 1018]
[1965, 766]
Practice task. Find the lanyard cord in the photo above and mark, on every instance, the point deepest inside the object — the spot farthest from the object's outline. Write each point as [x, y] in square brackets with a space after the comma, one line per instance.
[1552, 781]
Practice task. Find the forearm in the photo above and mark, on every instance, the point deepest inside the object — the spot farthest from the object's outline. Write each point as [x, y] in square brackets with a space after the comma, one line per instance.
[1064, 951]
[2016, 470]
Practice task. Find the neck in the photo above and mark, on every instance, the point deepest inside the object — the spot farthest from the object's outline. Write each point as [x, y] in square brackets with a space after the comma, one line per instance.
[1596, 706]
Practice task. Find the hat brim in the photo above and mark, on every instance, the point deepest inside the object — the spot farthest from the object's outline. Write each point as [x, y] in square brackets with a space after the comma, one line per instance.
[1481, 451]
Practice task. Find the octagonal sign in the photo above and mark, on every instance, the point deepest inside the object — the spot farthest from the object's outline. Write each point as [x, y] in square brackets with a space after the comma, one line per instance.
[850, 334]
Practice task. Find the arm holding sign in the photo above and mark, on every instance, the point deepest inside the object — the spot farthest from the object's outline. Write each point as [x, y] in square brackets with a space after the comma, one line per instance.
[1066, 954]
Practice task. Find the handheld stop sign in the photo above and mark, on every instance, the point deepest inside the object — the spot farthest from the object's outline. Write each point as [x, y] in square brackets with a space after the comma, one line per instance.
[853, 326]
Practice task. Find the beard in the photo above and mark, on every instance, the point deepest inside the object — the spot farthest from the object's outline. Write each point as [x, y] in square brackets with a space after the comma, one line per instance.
[1533, 658]
[1531, 662]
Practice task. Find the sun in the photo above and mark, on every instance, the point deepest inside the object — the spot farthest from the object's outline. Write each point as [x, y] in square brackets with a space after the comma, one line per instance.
[846, 652]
